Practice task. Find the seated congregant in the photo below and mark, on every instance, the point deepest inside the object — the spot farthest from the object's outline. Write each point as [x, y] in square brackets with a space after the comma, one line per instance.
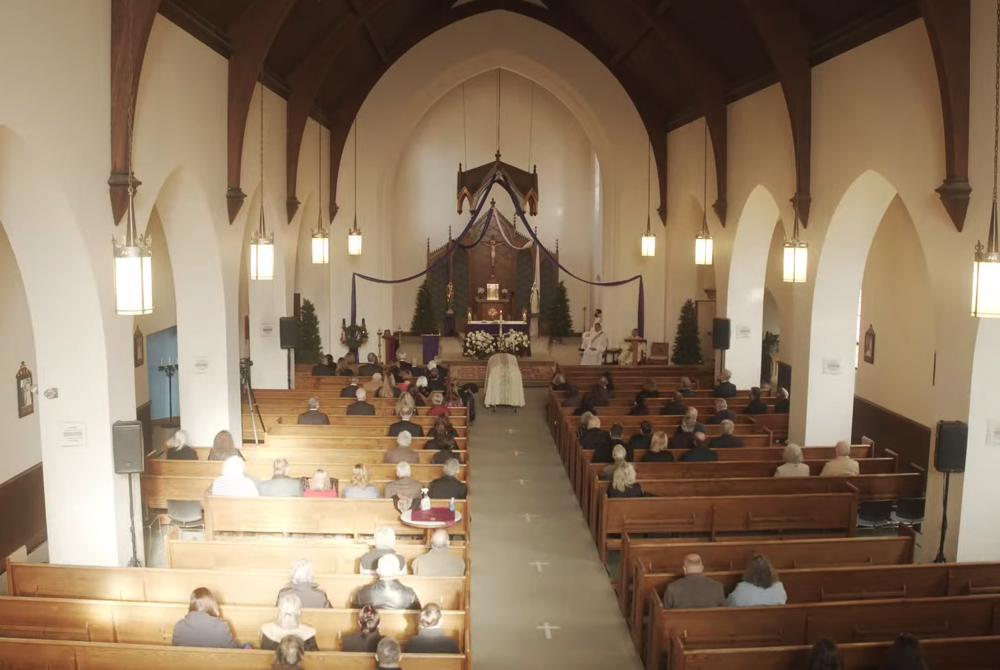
[402, 451]
[387, 592]
[725, 388]
[223, 446]
[584, 425]
[387, 654]
[374, 384]
[435, 380]
[351, 390]
[324, 368]
[312, 416]
[405, 402]
[641, 439]
[404, 424]
[404, 485]
[722, 413]
[348, 367]
[639, 407]
[825, 655]
[360, 486]
[301, 584]
[414, 391]
[559, 382]
[178, 449]
[698, 450]
[586, 405]
[617, 458]
[442, 428]
[388, 389]
[904, 654]
[430, 637]
[658, 449]
[360, 407]
[793, 465]
[233, 482]
[288, 655]
[366, 638]
[385, 545]
[760, 585]
[649, 389]
[203, 625]
[447, 485]
[453, 396]
[439, 561]
[781, 404]
[726, 439]
[684, 387]
[694, 589]
[623, 483]
[756, 404]
[446, 449]
[287, 623]
[599, 440]
[688, 426]
[320, 486]
[437, 405]
[842, 465]
[280, 485]
[617, 434]
[676, 407]
[371, 367]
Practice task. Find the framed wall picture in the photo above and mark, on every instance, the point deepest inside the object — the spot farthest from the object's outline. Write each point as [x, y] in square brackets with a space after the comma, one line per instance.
[493, 291]
[138, 348]
[25, 392]
[870, 345]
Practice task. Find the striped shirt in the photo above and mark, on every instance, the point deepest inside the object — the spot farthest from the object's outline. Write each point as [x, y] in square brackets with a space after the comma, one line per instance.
[234, 486]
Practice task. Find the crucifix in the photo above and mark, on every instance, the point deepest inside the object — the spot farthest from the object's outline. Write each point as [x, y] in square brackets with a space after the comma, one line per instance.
[493, 255]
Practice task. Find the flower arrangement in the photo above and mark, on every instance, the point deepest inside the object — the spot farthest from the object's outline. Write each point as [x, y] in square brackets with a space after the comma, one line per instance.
[353, 336]
[513, 342]
[479, 344]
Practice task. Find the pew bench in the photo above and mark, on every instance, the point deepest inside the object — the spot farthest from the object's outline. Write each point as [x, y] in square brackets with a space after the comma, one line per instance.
[264, 469]
[324, 455]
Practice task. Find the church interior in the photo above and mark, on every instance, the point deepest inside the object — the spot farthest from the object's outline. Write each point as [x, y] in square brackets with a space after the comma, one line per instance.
[552, 223]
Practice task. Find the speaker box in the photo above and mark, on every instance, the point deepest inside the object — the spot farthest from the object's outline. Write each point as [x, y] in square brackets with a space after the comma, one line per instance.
[289, 328]
[126, 442]
[720, 334]
[950, 448]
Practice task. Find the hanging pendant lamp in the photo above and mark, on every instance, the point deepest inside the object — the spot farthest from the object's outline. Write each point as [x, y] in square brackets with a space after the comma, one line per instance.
[261, 243]
[320, 238]
[704, 247]
[648, 238]
[796, 259]
[354, 234]
[986, 264]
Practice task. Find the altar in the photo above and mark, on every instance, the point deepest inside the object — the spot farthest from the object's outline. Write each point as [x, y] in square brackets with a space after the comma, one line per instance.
[492, 309]
[493, 328]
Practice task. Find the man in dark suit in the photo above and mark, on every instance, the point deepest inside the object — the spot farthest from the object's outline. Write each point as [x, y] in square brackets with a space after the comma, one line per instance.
[360, 407]
[722, 413]
[371, 367]
[677, 407]
[599, 440]
[699, 451]
[404, 423]
[725, 388]
[351, 390]
[447, 485]
[312, 416]
[435, 382]
[727, 439]
[402, 362]
[781, 404]
[617, 433]
[756, 405]
[642, 439]
[324, 368]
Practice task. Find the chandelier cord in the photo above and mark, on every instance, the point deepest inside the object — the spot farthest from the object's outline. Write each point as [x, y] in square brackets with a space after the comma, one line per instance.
[356, 128]
[531, 122]
[319, 172]
[498, 110]
[992, 242]
[130, 228]
[465, 129]
[649, 179]
[704, 184]
[263, 230]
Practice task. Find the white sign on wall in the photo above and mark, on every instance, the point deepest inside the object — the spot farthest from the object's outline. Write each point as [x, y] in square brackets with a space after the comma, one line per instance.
[743, 333]
[201, 366]
[74, 434]
[993, 432]
[267, 330]
[832, 366]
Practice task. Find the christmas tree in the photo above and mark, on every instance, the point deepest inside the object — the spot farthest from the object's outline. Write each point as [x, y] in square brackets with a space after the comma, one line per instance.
[687, 344]
[424, 322]
[310, 345]
[558, 318]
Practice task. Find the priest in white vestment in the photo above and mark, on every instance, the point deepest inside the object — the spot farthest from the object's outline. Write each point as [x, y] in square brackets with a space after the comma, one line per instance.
[503, 382]
[595, 342]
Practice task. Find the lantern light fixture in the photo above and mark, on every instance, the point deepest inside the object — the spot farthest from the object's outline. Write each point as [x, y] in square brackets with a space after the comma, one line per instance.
[648, 238]
[320, 237]
[704, 247]
[986, 262]
[261, 243]
[354, 234]
[796, 258]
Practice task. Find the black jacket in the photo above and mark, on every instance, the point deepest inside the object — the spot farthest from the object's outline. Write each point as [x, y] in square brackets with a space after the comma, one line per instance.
[354, 642]
[781, 406]
[658, 457]
[368, 369]
[725, 441]
[725, 390]
[639, 441]
[721, 416]
[386, 594]
[313, 417]
[431, 641]
[699, 454]
[414, 429]
[445, 487]
[185, 453]
[349, 391]
[320, 370]
[675, 408]
[687, 393]
[757, 406]
[639, 411]
[360, 408]
[633, 491]
[598, 440]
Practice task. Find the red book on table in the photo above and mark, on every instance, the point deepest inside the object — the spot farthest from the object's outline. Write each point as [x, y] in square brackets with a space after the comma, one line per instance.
[442, 514]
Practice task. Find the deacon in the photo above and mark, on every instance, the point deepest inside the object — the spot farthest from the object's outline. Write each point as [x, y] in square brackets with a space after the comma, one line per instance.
[595, 342]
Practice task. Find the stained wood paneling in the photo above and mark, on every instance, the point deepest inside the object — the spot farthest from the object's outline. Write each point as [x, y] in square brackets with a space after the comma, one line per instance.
[908, 438]
[22, 511]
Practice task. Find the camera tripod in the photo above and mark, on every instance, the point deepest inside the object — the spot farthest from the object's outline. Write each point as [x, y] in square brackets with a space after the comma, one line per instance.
[247, 389]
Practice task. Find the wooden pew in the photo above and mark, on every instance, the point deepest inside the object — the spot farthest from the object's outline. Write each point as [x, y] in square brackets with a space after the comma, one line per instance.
[720, 515]
[962, 653]
[330, 516]
[835, 584]
[67, 655]
[350, 426]
[276, 440]
[248, 555]
[264, 469]
[791, 625]
[152, 623]
[785, 553]
[869, 487]
[230, 587]
[325, 455]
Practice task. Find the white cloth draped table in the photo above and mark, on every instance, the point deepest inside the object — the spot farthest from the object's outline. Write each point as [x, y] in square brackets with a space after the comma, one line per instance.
[503, 382]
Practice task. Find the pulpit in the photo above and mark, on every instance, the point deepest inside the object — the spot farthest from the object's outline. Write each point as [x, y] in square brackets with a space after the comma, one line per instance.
[489, 310]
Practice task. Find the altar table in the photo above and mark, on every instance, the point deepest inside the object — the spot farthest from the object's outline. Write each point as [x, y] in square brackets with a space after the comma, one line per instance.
[493, 328]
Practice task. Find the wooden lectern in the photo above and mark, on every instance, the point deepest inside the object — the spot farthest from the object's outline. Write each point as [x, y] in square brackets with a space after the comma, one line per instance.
[633, 352]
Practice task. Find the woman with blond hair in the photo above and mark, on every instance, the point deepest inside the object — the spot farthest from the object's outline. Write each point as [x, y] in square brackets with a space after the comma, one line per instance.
[618, 454]
[223, 446]
[287, 623]
[405, 402]
[623, 482]
[438, 407]
[203, 626]
[360, 487]
[388, 389]
[320, 486]
[658, 449]
[760, 585]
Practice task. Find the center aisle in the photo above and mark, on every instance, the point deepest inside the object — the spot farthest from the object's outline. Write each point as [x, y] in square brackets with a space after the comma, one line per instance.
[540, 596]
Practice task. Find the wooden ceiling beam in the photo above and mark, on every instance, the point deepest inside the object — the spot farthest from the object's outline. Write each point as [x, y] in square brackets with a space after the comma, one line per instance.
[623, 53]
[306, 81]
[251, 35]
[376, 42]
[787, 45]
[709, 87]
[948, 25]
[131, 23]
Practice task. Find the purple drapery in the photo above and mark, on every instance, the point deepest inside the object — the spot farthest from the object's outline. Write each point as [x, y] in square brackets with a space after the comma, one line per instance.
[498, 178]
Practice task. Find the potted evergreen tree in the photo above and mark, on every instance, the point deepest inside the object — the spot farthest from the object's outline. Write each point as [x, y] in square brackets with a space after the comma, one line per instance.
[557, 316]
[687, 343]
[310, 347]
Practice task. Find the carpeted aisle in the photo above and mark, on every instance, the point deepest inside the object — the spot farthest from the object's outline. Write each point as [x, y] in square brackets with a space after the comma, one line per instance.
[540, 570]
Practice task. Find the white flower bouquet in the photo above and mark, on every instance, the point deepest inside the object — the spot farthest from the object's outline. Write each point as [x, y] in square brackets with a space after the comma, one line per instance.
[479, 344]
[513, 342]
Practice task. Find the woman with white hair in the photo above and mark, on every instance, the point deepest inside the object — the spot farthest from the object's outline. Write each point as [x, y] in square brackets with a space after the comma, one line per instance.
[233, 482]
[623, 483]
[437, 405]
[360, 487]
[287, 623]
[793, 465]
[618, 454]
[385, 545]
[842, 465]
[178, 449]
[320, 486]
[301, 584]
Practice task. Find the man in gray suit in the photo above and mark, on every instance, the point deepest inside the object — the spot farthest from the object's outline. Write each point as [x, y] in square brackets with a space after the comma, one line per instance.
[281, 485]
[694, 589]
[359, 406]
[439, 561]
[312, 416]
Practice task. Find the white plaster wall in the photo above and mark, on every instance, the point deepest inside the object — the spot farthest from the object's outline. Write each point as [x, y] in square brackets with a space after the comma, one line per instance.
[21, 447]
[164, 308]
[313, 281]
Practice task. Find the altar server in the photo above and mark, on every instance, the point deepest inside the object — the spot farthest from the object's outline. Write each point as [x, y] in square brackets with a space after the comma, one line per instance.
[595, 343]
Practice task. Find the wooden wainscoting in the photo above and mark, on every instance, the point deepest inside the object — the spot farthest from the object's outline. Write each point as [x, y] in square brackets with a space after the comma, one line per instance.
[22, 511]
[143, 413]
[908, 438]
